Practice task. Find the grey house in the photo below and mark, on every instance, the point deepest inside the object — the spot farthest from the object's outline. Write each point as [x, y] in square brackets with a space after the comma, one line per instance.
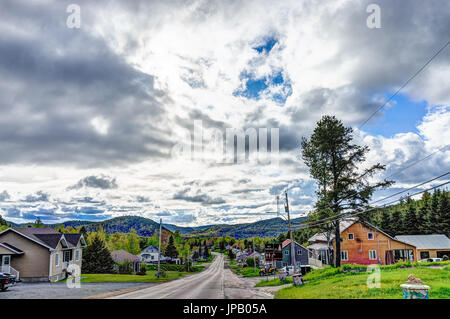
[301, 253]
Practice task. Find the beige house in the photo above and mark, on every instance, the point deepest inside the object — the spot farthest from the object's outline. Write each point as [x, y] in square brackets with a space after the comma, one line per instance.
[39, 254]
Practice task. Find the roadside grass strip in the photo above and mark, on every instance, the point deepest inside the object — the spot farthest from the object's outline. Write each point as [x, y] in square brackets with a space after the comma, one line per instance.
[350, 282]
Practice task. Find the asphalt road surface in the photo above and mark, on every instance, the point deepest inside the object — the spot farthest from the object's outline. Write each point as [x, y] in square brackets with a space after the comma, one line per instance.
[216, 282]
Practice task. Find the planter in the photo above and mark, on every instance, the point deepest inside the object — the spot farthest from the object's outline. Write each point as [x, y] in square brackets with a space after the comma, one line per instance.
[414, 291]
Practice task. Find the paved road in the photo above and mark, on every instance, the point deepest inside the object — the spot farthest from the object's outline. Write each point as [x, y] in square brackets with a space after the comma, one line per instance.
[61, 291]
[216, 282]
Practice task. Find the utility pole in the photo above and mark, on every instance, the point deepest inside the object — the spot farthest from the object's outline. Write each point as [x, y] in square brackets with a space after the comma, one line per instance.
[290, 233]
[159, 247]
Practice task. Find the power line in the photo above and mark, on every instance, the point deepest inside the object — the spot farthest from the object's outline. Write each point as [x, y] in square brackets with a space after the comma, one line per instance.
[371, 209]
[418, 161]
[405, 84]
[332, 218]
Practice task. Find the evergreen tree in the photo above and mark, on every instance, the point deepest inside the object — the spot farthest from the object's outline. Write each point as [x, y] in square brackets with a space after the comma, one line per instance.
[444, 214]
[411, 226]
[334, 162]
[422, 219]
[433, 213]
[171, 250]
[96, 258]
[396, 221]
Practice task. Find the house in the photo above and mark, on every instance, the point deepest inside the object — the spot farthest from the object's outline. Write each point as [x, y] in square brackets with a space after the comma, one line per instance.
[301, 253]
[274, 255]
[39, 254]
[121, 256]
[363, 243]
[149, 254]
[428, 246]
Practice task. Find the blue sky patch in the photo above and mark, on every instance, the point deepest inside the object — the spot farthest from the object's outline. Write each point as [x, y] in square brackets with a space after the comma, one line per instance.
[254, 87]
[402, 117]
[267, 46]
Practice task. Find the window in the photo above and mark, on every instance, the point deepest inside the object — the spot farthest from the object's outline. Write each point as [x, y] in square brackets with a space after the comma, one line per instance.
[286, 252]
[57, 260]
[424, 254]
[67, 256]
[344, 255]
[77, 255]
[351, 237]
[372, 254]
[370, 236]
[299, 252]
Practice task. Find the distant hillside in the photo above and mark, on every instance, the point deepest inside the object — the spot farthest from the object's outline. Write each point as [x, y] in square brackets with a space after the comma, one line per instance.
[146, 227]
[264, 228]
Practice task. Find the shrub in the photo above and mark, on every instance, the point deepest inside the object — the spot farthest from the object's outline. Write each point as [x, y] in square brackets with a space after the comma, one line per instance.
[252, 261]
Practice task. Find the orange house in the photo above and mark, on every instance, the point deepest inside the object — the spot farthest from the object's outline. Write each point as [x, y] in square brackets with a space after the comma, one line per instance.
[365, 244]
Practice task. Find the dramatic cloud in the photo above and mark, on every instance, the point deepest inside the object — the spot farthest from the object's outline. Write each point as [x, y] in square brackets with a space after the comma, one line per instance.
[103, 106]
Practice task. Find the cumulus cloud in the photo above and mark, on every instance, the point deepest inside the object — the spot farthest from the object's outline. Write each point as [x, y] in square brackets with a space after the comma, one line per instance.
[103, 182]
[4, 196]
[40, 196]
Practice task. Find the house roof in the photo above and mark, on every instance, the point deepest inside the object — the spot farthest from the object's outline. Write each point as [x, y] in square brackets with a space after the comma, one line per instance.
[149, 249]
[343, 225]
[72, 239]
[288, 241]
[14, 250]
[45, 236]
[120, 256]
[426, 241]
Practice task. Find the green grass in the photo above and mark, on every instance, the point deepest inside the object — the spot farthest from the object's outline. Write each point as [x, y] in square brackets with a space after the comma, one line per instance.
[274, 282]
[333, 283]
[245, 271]
[150, 277]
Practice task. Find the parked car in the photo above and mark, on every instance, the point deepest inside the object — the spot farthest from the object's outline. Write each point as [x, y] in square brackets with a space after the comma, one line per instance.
[430, 260]
[6, 281]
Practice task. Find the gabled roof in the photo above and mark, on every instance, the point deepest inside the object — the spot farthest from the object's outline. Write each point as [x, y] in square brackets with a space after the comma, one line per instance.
[47, 237]
[120, 256]
[73, 239]
[149, 249]
[426, 241]
[14, 250]
[288, 242]
[343, 225]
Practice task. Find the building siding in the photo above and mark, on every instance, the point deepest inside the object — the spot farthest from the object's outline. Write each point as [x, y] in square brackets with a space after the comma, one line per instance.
[358, 248]
[34, 263]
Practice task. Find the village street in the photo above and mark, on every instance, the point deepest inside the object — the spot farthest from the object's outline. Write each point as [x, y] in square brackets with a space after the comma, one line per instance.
[216, 282]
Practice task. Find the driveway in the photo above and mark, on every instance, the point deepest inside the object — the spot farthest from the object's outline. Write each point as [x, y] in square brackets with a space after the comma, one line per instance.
[61, 291]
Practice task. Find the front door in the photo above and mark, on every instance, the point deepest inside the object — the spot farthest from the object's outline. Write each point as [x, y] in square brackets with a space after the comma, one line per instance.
[6, 261]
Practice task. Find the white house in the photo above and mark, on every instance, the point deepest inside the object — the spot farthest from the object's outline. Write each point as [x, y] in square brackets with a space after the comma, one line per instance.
[149, 254]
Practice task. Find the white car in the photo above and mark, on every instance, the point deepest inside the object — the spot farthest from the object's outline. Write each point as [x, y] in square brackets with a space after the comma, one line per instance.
[430, 260]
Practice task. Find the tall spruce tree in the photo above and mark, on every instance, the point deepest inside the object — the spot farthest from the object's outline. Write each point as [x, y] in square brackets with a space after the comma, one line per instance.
[335, 163]
[411, 225]
[96, 258]
[444, 213]
[171, 250]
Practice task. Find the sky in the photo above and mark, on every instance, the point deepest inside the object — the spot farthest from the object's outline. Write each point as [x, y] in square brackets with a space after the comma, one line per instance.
[91, 116]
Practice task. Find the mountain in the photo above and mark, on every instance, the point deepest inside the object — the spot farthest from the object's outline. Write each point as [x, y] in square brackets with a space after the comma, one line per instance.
[263, 228]
[146, 227]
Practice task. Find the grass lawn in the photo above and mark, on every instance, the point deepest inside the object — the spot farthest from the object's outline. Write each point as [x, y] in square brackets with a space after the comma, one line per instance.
[274, 282]
[150, 277]
[245, 271]
[331, 284]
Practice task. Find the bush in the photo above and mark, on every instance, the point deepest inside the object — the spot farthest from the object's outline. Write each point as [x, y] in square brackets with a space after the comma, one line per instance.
[142, 270]
[125, 268]
[252, 261]
[162, 273]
